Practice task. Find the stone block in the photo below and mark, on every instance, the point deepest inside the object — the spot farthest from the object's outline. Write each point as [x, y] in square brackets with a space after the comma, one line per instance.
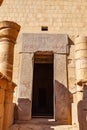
[26, 75]
[81, 54]
[24, 109]
[81, 46]
[44, 42]
[81, 39]
[59, 67]
[81, 74]
[81, 63]
[61, 105]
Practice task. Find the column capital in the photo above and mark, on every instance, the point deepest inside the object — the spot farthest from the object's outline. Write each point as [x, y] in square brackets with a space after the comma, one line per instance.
[8, 34]
[9, 30]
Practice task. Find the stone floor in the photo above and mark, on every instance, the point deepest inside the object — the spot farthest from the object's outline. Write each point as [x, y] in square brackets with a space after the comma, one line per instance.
[42, 127]
[39, 124]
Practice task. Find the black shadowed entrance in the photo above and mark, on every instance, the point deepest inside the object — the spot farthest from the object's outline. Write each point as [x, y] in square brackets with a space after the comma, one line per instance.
[42, 102]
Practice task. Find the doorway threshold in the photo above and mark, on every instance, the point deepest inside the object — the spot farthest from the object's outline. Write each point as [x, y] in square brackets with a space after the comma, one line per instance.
[46, 117]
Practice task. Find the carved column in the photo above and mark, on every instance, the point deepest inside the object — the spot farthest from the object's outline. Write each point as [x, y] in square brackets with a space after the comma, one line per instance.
[81, 62]
[8, 34]
[81, 71]
[3, 84]
[81, 59]
[8, 106]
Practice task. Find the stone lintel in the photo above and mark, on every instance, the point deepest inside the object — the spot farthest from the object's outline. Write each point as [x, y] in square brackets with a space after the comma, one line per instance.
[56, 43]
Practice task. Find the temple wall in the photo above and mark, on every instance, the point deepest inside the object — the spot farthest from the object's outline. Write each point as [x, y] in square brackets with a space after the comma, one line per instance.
[61, 17]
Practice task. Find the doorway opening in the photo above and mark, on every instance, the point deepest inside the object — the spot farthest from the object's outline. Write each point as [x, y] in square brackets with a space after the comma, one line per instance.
[42, 98]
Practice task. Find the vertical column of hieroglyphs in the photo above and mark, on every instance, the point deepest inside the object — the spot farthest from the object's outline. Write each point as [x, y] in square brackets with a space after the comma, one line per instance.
[8, 34]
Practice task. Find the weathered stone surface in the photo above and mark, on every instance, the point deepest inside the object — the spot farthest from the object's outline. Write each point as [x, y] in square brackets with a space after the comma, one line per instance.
[81, 39]
[9, 29]
[3, 85]
[81, 74]
[44, 42]
[81, 58]
[1, 115]
[8, 34]
[84, 120]
[60, 88]
[81, 46]
[81, 54]
[61, 104]
[81, 63]
[77, 113]
[85, 92]
[2, 95]
[85, 104]
[8, 105]
[8, 115]
[24, 109]
[60, 72]
[43, 127]
[26, 76]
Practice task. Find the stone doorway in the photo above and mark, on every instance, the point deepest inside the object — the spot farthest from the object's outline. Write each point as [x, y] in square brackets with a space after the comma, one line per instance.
[44, 49]
[42, 98]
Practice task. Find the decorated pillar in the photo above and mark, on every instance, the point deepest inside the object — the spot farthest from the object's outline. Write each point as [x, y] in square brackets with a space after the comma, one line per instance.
[8, 34]
[81, 60]
[9, 106]
[81, 64]
[3, 84]
[81, 73]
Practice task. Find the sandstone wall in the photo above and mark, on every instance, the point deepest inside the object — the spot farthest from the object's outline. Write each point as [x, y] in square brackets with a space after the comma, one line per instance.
[61, 17]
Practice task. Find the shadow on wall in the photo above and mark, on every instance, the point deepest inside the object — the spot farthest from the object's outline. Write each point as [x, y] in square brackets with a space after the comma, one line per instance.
[82, 110]
[22, 110]
[63, 99]
[62, 106]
